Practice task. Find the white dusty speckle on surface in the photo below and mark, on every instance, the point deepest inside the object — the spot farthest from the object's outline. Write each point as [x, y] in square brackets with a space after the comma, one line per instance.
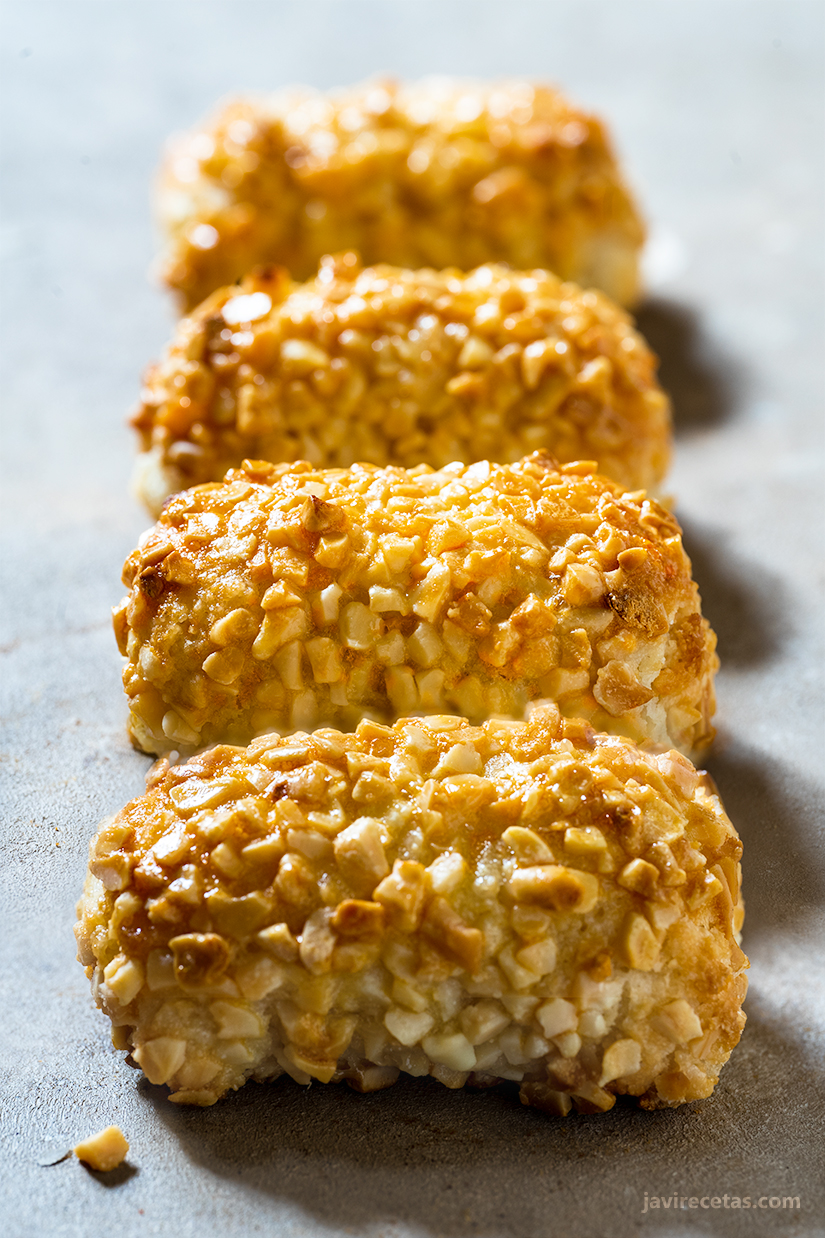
[716, 108]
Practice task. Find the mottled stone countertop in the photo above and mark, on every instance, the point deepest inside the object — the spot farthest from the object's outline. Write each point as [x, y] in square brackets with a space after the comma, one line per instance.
[717, 109]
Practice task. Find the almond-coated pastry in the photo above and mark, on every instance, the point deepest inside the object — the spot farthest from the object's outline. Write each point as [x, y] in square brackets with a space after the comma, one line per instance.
[523, 901]
[401, 367]
[288, 597]
[437, 174]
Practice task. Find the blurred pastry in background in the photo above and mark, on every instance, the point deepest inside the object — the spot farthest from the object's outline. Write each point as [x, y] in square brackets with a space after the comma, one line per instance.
[437, 173]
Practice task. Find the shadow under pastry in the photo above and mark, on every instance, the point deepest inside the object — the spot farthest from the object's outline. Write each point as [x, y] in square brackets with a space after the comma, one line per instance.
[461, 1163]
[700, 382]
[744, 603]
[774, 809]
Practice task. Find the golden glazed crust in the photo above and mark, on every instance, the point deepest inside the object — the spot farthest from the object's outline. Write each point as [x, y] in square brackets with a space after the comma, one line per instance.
[401, 367]
[289, 597]
[522, 901]
[434, 174]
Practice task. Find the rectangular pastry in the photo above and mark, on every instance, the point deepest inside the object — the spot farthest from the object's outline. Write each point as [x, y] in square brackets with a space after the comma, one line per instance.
[401, 367]
[437, 174]
[524, 901]
[289, 597]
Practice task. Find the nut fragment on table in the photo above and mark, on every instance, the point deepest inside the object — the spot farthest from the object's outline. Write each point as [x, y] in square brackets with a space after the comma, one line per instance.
[531, 902]
[436, 173]
[288, 597]
[103, 1151]
[401, 367]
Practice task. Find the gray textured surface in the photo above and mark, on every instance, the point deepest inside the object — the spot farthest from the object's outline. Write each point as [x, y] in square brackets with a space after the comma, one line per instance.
[718, 109]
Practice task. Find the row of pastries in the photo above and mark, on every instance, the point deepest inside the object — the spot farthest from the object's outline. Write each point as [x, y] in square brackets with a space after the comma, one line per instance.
[418, 650]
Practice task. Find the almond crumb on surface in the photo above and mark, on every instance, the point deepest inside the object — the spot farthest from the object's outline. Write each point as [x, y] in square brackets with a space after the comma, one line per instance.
[103, 1151]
